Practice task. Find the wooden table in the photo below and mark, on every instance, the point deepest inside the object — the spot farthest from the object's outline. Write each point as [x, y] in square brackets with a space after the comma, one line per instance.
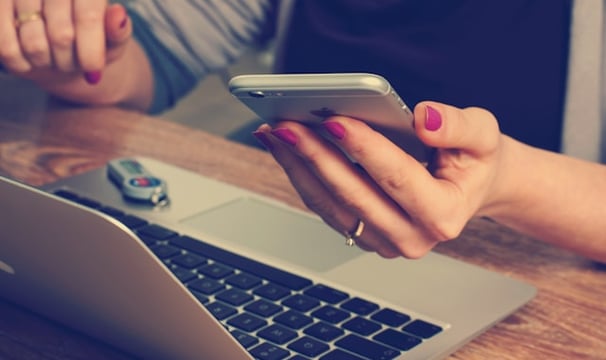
[42, 141]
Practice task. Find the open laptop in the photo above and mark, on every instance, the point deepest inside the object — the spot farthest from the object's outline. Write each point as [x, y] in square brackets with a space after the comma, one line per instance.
[224, 273]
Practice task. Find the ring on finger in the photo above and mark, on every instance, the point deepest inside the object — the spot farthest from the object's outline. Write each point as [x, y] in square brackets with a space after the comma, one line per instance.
[29, 16]
[350, 237]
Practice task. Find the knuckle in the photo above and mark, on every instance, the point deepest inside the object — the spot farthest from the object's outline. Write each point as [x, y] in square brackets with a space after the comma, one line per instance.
[89, 17]
[35, 46]
[444, 230]
[412, 250]
[62, 37]
[394, 180]
[357, 150]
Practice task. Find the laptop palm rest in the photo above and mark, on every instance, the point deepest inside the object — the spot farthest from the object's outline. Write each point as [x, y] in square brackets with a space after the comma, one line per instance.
[275, 231]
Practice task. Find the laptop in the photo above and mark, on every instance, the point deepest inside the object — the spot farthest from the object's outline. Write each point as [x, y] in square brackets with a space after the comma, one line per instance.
[224, 273]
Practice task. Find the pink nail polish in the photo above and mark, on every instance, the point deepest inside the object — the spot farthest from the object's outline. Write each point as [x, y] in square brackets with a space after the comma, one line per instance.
[92, 77]
[263, 139]
[123, 23]
[335, 129]
[433, 119]
[286, 135]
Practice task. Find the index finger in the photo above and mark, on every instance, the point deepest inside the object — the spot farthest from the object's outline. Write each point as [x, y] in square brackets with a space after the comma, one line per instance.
[89, 22]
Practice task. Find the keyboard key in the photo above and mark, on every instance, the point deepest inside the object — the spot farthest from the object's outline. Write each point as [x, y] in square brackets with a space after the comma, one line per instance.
[272, 291]
[277, 334]
[157, 232]
[422, 329]
[301, 302]
[206, 286]
[297, 357]
[235, 297]
[267, 351]
[244, 281]
[263, 308]
[361, 326]
[367, 348]
[201, 298]
[148, 240]
[244, 339]
[397, 339]
[330, 314]
[182, 274]
[247, 322]
[359, 306]
[308, 346]
[338, 354]
[390, 317]
[326, 294]
[93, 204]
[66, 194]
[216, 270]
[291, 281]
[293, 319]
[131, 221]
[189, 260]
[113, 212]
[164, 251]
[220, 310]
[324, 331]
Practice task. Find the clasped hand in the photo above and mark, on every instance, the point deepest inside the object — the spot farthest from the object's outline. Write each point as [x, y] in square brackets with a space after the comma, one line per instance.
[55, 38]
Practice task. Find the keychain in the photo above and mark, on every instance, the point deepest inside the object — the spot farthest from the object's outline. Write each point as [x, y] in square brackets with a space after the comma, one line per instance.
[136, 183]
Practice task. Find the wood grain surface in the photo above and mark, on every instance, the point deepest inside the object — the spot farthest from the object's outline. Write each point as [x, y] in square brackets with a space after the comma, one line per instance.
[42, 140]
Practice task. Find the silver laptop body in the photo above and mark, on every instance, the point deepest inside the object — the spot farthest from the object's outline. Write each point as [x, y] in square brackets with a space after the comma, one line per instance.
[86, 269]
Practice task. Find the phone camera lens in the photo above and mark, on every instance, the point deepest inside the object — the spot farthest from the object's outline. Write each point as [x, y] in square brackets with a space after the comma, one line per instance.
[256, 94]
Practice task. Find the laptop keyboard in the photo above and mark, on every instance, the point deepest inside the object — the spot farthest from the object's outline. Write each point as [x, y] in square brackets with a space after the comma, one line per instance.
[275, 314]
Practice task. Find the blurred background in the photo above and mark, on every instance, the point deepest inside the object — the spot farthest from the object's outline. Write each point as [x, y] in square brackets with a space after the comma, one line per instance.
[211, 107]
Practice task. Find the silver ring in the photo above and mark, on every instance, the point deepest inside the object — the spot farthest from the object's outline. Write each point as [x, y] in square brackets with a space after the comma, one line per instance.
[350, 237]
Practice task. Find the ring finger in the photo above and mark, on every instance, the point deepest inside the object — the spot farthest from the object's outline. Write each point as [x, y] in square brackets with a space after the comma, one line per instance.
[32, 33]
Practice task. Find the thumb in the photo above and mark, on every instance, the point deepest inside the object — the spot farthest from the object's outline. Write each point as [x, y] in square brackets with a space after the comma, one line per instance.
[118, 26]
[473, 129]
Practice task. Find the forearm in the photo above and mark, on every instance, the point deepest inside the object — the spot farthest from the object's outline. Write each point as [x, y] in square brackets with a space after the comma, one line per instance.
[555, 198]
[127, 82]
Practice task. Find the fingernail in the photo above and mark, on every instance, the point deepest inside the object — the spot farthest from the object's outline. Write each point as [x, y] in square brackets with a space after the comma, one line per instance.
[123, 23]
[92, 77]
[263, 139]
[433, 119]
[335, 129]
[286, 136]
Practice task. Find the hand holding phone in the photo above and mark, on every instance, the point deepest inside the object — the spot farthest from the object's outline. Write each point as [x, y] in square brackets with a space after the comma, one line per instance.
[311, 98]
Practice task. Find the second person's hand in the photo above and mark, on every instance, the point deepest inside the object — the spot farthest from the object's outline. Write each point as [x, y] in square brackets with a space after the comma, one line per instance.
[54, 40]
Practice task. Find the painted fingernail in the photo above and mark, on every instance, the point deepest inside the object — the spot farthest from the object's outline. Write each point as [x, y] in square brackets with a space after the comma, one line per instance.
[433, 119]
[335, 129]
[92, 77]
[123, 23]
[286, 136]
[263, 139]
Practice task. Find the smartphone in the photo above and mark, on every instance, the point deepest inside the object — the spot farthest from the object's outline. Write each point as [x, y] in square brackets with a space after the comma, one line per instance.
[311, 98]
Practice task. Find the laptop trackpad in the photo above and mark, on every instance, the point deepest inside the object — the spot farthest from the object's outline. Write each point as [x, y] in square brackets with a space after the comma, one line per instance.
[276, 231]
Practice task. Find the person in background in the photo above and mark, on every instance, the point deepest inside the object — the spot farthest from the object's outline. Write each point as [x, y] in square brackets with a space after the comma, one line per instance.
[147, 55]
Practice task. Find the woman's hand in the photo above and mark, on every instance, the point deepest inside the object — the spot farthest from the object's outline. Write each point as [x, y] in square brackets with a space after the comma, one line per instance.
[55, 40]
[407, 208]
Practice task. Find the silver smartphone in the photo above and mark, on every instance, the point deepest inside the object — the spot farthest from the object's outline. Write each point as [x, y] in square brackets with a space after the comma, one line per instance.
[311, 98]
